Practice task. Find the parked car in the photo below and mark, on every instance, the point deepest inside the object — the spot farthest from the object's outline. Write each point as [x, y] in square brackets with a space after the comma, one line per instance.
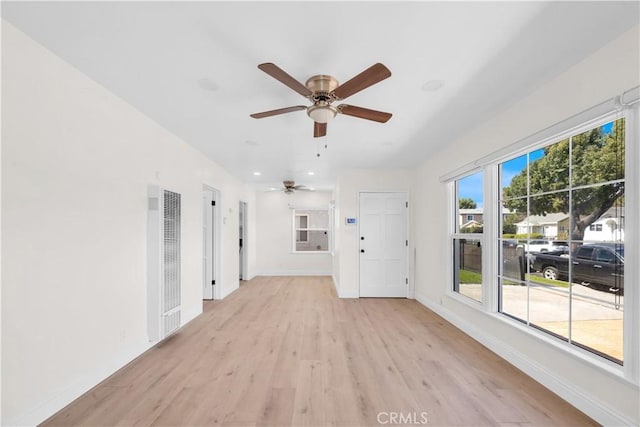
[545, 246]
[601, 263]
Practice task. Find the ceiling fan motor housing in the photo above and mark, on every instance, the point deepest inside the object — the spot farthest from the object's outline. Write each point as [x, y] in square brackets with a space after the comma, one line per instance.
[321, 86]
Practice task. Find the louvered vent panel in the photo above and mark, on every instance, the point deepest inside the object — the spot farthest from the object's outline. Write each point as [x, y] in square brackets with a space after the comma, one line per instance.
[171, 321]
[171, 291]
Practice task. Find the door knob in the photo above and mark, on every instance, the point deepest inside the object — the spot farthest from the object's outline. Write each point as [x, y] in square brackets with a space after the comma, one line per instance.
[361, 250]
[362, 238]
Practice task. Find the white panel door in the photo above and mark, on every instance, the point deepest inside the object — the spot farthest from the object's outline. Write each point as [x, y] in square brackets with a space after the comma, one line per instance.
[383, 245]
[207, 245]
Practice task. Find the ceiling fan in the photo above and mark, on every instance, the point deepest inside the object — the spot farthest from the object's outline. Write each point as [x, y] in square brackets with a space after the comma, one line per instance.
[323, 90]
[290, 187]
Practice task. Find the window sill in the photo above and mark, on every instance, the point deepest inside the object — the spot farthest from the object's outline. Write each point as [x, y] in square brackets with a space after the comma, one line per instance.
[611, 368]
[465, 299]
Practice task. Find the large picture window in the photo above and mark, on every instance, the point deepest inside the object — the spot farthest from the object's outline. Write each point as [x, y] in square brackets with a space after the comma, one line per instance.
[310, 230]
[561, 247]
[467, 238]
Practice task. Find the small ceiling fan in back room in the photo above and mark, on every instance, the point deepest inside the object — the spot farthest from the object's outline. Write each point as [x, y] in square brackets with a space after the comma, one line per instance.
[289, 187]
[323, 91]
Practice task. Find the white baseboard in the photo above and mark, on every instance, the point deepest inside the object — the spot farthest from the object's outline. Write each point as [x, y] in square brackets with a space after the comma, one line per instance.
[575, 396]
[343, 294]
[348, 294]
[67, 394]
[294, 273]
[227, 292]
[42, 410]
[189, 316]
[336, 284]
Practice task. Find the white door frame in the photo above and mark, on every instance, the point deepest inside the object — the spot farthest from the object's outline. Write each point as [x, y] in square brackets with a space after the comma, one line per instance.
[409, 293]
[210, 194]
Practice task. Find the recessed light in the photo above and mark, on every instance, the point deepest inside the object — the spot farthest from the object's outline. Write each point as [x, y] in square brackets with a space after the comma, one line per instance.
[257, 173]
[310, 173]
[250, 142]
[433, 85]
[312, 189]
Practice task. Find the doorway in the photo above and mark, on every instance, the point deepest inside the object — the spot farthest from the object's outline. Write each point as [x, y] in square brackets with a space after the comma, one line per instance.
[242, 240]
[210, 243]
[383, 244]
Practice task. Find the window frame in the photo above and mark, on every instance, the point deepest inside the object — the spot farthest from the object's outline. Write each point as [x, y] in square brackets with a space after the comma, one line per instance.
[454, 234]
[594, 117]
[294, 229]
[629, 368]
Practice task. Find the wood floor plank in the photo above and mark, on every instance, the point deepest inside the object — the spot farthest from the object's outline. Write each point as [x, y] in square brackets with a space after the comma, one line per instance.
[286, 351]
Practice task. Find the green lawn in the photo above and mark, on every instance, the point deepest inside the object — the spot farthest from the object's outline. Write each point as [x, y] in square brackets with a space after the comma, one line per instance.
[543, 281]
[467, 276]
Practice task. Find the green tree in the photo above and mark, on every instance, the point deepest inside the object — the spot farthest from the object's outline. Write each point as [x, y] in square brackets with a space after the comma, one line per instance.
[509, 224]
[473, 229]
[596, 157]
[466, 203]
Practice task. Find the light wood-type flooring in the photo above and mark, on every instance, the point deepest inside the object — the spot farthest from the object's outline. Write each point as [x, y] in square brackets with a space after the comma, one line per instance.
[286, 351]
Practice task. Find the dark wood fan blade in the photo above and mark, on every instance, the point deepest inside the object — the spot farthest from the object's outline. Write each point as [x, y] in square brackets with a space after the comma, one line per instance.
[368, 77]
[319, 129]
[279, 74]
[364, 113]
[278, 111]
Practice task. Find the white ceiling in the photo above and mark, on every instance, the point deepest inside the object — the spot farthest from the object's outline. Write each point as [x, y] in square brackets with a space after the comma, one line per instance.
[192, 68]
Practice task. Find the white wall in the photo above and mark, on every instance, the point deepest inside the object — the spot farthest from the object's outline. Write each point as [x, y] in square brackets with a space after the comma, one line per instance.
[608, 72]
[274, 254]
[349, 184]
[75, 168]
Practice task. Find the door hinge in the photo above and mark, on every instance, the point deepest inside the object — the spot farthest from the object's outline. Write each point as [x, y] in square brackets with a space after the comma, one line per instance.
[406, 280]
[406, 204]
[406, 243]
[213, 203]
[213, 282]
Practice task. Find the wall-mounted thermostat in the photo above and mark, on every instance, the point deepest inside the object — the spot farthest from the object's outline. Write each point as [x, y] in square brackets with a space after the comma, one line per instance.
[350, 221]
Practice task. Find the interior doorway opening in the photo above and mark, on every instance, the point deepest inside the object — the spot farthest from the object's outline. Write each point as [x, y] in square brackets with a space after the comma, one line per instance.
[242, 240]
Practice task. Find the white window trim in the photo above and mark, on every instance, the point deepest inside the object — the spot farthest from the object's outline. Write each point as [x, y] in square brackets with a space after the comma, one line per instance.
[631, 321]
[328, 230]
[630, 370]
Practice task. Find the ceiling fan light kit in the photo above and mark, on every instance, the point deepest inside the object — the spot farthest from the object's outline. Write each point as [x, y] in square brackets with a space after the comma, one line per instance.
[321, 112]
[323, 90]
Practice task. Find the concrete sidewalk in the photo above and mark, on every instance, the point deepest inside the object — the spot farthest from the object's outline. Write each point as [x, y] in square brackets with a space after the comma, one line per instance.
[595, 322]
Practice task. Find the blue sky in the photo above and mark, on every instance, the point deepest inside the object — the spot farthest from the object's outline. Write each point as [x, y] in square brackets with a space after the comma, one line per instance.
[515, 166]
[470, 187]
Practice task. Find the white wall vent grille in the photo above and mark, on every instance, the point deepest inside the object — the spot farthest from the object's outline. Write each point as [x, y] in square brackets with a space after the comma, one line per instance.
[163, 272]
